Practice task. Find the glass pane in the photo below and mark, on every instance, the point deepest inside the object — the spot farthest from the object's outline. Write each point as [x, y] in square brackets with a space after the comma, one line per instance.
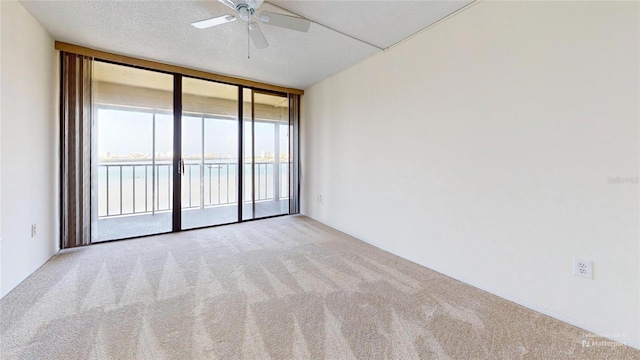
[294, 171]
[285, 162]
[131, 152]
[247, 211]
[210, 153]
[271, 155]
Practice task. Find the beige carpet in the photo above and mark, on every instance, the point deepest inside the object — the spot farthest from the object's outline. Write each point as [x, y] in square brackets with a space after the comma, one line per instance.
[283, 288]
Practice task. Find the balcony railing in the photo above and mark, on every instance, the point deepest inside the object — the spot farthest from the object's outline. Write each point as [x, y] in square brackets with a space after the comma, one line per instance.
[146, 188]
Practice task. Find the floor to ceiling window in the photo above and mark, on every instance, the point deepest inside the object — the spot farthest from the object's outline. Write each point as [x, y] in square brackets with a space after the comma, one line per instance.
[267, 156]
[132, 152]
[210, 153]
[134, 189]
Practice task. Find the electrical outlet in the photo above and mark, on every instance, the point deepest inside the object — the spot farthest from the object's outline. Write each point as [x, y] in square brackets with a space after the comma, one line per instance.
[33, 230]
[583, 267]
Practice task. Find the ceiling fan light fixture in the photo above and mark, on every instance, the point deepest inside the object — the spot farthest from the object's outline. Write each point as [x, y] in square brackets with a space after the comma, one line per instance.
[245, 12]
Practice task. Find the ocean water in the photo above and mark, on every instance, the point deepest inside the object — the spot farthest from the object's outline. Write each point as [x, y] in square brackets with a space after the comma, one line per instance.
[134, 187]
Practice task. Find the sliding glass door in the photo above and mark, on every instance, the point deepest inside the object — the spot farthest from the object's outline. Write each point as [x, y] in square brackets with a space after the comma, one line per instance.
[209, 153]
[154, 172]
[132, 183]
[267, 155]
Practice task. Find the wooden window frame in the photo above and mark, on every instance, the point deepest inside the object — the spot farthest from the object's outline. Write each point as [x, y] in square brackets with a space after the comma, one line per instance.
[173, 69]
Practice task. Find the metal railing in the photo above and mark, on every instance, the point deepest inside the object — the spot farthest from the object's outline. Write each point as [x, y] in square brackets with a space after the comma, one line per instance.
[146, 188]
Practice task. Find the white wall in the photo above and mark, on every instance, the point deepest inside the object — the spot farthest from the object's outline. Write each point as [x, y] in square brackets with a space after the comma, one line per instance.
[483, 148]
[29, 145]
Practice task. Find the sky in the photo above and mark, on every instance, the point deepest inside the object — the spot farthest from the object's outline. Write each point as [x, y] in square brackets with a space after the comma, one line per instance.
[124, 132]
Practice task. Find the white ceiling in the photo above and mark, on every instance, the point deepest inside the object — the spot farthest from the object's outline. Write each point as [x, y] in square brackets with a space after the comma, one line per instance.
[161, 31]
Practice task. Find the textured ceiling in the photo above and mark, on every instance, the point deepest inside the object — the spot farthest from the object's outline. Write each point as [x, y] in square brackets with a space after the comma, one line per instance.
[161, 31]
[380, 23]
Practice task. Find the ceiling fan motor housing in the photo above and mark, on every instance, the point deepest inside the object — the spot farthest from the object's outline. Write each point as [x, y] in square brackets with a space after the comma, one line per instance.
[244, 11]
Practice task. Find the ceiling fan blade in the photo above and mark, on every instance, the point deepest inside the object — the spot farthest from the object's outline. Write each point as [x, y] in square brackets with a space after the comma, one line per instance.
[229, 3]
[213, 22]
[256, 35]
[285, 21]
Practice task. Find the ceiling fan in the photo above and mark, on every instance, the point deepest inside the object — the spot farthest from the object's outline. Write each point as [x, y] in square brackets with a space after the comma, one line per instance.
[246, 11]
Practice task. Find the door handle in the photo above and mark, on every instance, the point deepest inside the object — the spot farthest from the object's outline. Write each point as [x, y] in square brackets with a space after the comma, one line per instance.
[181, 167]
